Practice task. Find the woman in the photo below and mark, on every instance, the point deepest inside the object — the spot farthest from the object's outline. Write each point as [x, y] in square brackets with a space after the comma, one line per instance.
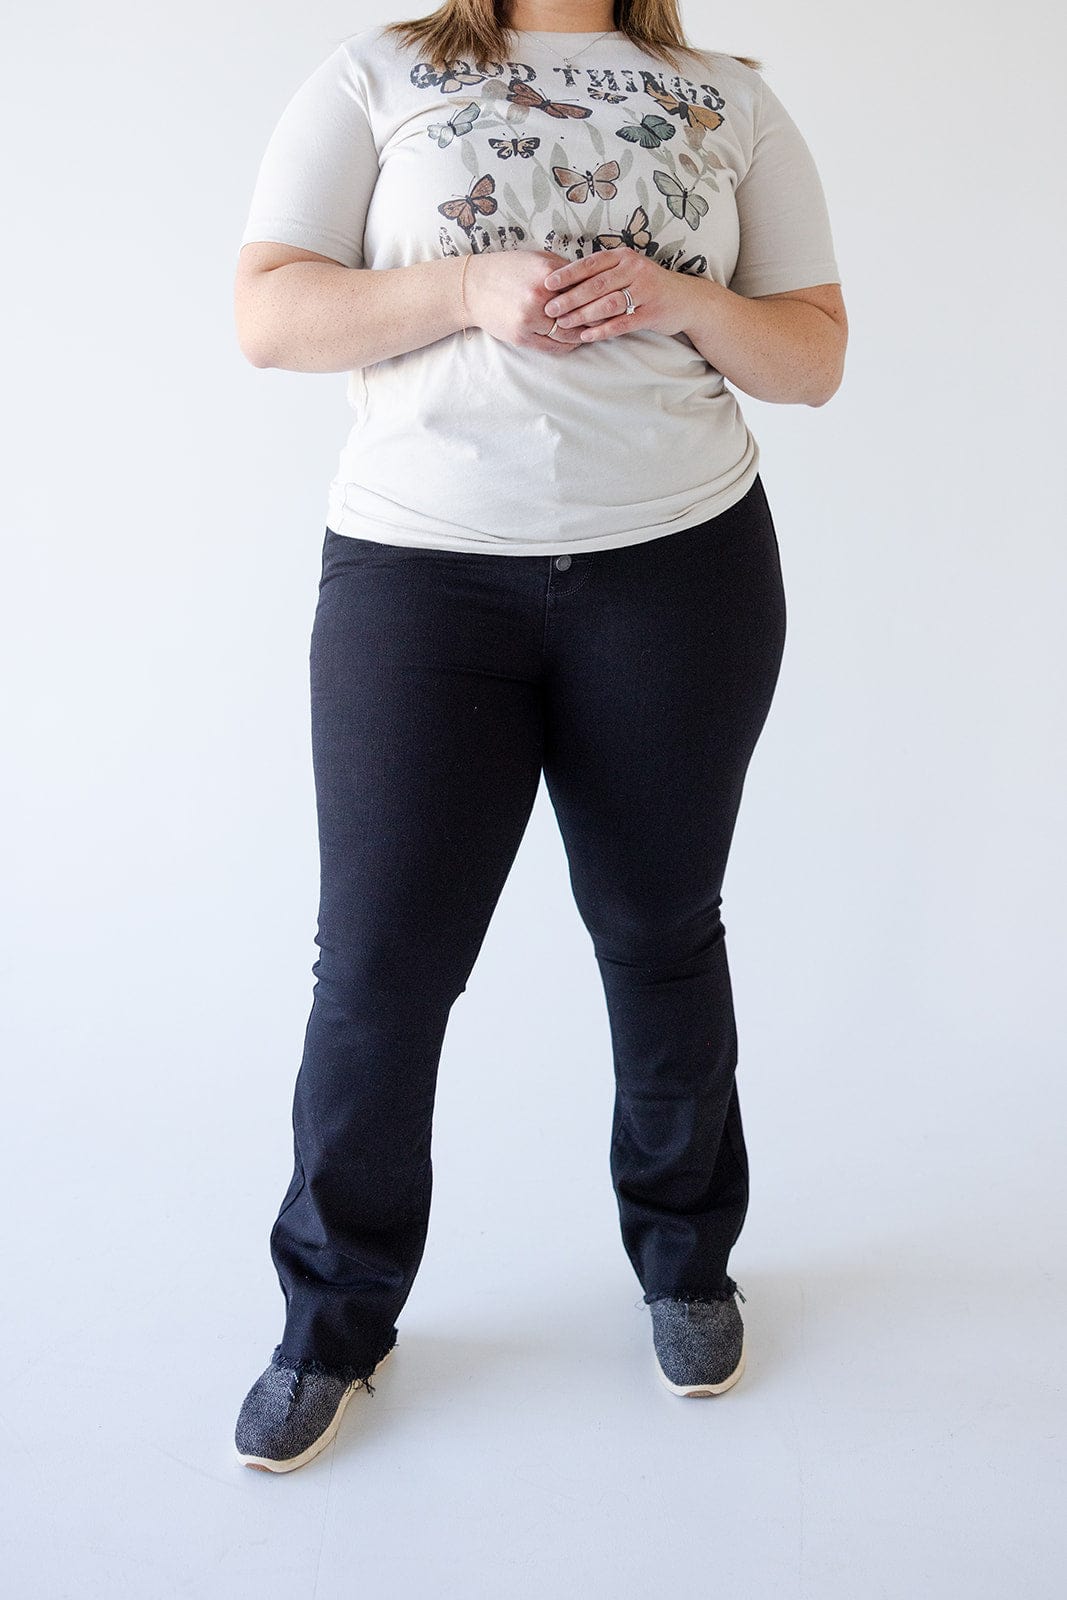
[538, 245]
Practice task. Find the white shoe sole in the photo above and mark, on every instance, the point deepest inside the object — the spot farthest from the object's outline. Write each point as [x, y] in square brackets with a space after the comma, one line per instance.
[700, 1389]
[265, 1464]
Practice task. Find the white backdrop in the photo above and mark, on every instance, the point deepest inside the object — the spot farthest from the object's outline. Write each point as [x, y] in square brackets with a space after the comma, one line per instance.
[893, 905]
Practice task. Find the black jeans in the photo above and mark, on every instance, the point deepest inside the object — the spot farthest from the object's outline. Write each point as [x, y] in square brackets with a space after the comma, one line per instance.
[443, 684]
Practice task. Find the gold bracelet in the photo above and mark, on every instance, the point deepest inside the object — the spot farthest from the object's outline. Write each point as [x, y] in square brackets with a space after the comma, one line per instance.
[462, 301]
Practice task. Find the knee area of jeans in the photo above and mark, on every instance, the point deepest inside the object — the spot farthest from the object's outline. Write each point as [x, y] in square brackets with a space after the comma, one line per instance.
[656, 951]
[380, 982]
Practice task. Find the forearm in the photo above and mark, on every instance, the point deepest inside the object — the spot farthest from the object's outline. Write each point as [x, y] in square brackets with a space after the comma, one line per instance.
[779, 350]
[319, 316]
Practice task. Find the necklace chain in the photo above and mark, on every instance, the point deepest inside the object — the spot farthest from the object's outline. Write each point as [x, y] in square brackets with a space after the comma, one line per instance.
[568, 59]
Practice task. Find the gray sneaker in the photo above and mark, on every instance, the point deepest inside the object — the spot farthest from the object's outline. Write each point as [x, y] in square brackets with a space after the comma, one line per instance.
[291, 1413]
[699, 1344]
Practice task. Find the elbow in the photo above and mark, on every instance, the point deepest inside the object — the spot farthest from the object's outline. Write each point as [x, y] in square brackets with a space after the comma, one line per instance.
[829, 386]
[248, 325]
[253, 348]
[254, 356]
[824, 395]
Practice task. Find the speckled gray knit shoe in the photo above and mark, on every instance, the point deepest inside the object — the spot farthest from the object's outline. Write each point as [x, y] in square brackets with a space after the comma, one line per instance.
[290, 1414]
[699, 1344]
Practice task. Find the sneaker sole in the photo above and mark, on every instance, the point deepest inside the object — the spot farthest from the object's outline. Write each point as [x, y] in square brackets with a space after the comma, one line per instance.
[699, 1390]
[266, 1464]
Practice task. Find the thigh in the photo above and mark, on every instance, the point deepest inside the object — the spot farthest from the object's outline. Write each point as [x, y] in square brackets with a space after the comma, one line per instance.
[662, 675]
[426, 738]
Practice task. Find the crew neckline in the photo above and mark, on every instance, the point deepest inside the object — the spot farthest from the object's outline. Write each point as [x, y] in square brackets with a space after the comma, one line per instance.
[550, 33]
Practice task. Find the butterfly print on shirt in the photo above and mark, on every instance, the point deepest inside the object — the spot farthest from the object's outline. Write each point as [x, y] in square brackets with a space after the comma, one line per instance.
[681, 202]
[478, 201]
[449, 82]
[514, 147]
[524, 94]
[654, 131]
[693, 116]
[461, 121]
[635, 234]
[650, 132]
[579, 185]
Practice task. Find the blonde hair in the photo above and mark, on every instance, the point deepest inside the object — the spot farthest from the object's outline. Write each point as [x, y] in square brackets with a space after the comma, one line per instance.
[475, 30]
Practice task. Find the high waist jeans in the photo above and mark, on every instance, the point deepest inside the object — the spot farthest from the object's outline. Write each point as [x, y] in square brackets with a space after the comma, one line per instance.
[443, 684]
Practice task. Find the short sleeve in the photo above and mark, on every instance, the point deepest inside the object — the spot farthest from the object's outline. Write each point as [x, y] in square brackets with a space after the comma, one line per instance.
[785, 237]
[319, 169]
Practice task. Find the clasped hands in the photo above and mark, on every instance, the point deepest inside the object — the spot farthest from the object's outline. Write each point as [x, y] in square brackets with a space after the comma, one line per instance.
[588, 303]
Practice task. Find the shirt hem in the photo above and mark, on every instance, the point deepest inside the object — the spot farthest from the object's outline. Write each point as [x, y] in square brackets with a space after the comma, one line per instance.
[353, 524]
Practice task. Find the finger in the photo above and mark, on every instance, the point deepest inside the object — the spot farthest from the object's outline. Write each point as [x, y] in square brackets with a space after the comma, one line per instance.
[604, 262]
[594, 288]
[599, 276]
[609, 305]
[608, 329]
[574, 271]
[560, 335]
[546, 342]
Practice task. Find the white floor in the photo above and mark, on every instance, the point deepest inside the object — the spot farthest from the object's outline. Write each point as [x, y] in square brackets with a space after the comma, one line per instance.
[899, 1430]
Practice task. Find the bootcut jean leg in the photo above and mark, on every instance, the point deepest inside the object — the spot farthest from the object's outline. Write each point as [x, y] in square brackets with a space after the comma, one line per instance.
[442, 684]
[426, 743]
[661, 663]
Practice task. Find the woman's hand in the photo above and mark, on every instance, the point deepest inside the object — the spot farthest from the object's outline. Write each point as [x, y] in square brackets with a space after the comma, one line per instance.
[588, 301]
[787, 347]
[505, 295]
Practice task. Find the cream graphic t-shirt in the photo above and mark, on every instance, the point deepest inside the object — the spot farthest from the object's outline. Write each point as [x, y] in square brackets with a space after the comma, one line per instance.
[470, 443]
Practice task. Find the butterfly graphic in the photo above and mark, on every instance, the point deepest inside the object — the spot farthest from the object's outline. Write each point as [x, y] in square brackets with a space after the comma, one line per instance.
[635, 234]
[505, 148]
[606, 94]
[449, 81]
[524, 94]
[460, 122]
[477, 200]
[696, 265]
[680, 202]
[649, 133]
[579, 185]
[693, 116]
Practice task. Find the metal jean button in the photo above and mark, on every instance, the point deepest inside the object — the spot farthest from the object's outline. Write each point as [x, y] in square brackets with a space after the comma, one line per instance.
[563, 562]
